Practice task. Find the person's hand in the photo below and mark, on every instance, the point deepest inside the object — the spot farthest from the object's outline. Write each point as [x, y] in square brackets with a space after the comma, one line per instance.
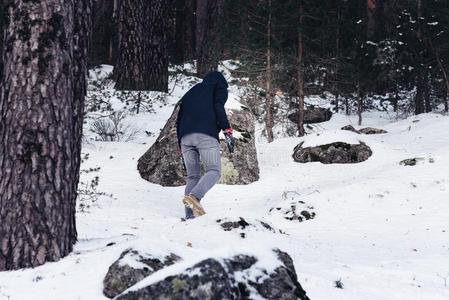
[228, 131]
[230, 140]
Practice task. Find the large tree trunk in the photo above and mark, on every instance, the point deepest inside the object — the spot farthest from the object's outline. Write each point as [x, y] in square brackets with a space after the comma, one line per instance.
[81, 46]
[209, 15]
[2, 20]
[142, 62]
[300, 73]
[41, 107]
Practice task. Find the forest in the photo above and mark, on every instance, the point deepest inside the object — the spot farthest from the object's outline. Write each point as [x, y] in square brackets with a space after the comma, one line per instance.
[330, 152]
[355, 51]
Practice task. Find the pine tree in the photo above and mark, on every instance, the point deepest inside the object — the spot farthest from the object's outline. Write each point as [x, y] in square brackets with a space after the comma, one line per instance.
[41, 109]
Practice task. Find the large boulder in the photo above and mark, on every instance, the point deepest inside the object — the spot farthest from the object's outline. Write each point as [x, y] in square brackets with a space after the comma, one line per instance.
[162, 165]
[337, 152]
[131, 267]
[312, 115]
[240, 167]
[238, 277]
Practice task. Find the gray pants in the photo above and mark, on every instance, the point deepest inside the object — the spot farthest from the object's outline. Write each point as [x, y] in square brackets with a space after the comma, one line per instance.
[200, 148]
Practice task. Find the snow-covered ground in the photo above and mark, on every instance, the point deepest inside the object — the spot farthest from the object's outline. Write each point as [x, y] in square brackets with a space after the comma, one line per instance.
[380, 227]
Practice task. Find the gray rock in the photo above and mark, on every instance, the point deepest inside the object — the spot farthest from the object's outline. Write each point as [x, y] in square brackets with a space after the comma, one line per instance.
[408, 162]
[371, 130]
[121, 275]
[366, 130]
[413, 161]
[337, 152]
[240, 167]
[312, 115]
[226, 279]
[242, 225]
[162, 165]
[350, 128]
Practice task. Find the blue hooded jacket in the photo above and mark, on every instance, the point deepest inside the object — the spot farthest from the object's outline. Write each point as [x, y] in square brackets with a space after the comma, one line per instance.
[202, 107]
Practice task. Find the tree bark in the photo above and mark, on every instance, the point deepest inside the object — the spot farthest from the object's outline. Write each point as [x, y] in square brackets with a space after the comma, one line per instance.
[157, 50]
[269, 122]
[184, 31]
[419, 97]
[445, 76]
[81, 46]
[2, 20]
[337, 58]
[41, 109]
[371, 6]
[420, 79]
[445, 99]
[300, 73]
[359, 103]
[142, 62]
[427, 103]
[104, 29]
[209, 15]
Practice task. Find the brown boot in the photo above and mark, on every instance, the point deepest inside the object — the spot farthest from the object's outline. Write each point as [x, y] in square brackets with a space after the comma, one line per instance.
[191, 202]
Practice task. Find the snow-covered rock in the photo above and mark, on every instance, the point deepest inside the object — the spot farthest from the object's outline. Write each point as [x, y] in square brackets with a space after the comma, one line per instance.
[237, 277]
[350, 128]
[366, 130]
[131, 267]
[312, 115]
[333, 153]
[372, 130]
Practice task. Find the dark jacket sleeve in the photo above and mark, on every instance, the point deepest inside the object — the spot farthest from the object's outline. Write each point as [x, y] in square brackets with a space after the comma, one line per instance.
[220, 97]
[178, 120]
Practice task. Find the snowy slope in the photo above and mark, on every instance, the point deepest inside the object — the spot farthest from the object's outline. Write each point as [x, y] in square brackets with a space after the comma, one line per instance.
[381, 228]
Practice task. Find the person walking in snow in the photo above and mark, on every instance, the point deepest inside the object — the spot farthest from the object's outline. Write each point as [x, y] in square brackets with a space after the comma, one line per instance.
[201, 117]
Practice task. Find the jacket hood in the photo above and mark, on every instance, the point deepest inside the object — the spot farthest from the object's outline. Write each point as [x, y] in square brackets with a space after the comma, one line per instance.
[215, 77]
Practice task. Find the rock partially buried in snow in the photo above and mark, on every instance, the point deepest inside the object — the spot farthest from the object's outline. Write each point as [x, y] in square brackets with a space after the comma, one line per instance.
[312, 115]
[371, 130]
[350, 128]
[333, 153]
[242, 225]
[295, 211]
[237, 277]
[366, 130]
[162, 165]
[130, 268]
[415, 160]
